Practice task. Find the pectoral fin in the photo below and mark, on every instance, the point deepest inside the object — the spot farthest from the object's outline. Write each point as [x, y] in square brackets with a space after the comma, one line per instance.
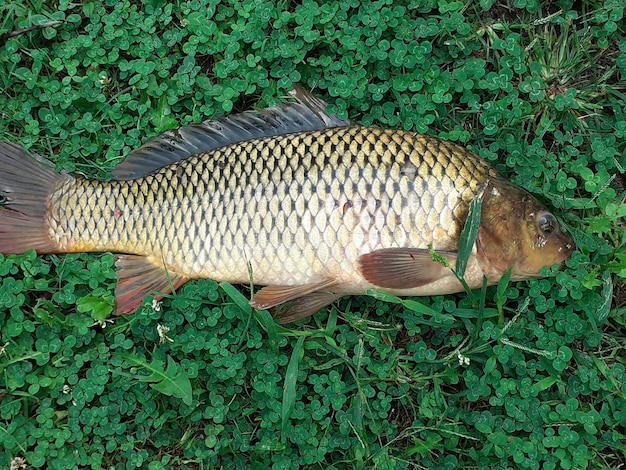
[137, 277]
[403, 268]
[271, 296]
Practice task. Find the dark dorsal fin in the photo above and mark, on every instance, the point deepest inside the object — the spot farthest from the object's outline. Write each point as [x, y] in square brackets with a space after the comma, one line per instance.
[306, 113]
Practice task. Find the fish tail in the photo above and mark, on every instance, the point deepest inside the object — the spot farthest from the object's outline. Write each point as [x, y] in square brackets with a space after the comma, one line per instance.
[26, 183]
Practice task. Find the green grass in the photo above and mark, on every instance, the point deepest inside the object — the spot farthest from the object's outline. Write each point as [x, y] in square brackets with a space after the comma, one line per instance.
[521, 375]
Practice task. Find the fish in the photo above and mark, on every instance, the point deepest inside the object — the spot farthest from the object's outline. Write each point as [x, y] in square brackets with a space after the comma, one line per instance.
[292, 198]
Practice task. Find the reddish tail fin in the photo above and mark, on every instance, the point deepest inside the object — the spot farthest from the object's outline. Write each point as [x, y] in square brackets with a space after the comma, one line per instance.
[26, 182]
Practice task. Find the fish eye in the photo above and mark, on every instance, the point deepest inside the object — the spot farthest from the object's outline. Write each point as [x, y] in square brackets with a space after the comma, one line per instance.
[547, 223]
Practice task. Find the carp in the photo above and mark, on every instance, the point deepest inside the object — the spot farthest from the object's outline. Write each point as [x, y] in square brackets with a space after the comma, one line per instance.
[314, 207]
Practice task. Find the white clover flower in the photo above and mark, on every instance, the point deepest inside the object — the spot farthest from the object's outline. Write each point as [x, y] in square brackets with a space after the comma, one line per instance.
[103, 323]
[163, 330]
[463, 360]
[18, 463]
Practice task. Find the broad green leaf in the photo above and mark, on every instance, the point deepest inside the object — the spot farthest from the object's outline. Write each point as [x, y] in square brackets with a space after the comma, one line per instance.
[332, 321]
[99, 308]
[170, 381]
[174, 382]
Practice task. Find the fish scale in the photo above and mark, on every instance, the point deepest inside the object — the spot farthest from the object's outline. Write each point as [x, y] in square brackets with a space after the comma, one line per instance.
[317, 207]
[331, 194]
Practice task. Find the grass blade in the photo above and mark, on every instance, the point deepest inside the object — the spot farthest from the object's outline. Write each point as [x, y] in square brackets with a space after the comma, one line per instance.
[607, 297]
[438, 317]
[380, 295]
[289, 388]
[268, 324]
[237, 297]
[469, 234]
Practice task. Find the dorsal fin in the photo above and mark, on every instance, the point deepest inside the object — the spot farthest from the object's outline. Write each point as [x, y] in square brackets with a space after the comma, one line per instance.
[306, 113]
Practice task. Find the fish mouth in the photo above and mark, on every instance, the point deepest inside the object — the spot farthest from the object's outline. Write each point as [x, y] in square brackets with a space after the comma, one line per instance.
[567, 242]
[560, 247]
[566, 248]
[565, 251]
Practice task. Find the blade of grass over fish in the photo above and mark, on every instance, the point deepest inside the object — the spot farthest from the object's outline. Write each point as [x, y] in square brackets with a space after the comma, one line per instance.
[468, 235]
[289, 388]
[251, 278]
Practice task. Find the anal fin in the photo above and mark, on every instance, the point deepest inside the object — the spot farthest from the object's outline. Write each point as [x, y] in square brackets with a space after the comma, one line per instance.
[272, 296]
[138, 277]
[304, 306]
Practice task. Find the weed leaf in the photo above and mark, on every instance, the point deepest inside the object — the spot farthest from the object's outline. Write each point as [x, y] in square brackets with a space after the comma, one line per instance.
[99, 308]
[170, 380]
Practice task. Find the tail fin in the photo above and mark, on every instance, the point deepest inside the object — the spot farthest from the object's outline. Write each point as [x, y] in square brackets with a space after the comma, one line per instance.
[26, 182]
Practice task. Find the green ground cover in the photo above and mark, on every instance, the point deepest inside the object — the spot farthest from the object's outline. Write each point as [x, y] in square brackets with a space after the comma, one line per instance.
[527, 375]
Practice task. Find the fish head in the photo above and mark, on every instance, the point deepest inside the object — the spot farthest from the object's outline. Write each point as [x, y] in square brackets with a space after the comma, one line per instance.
[516, 231]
